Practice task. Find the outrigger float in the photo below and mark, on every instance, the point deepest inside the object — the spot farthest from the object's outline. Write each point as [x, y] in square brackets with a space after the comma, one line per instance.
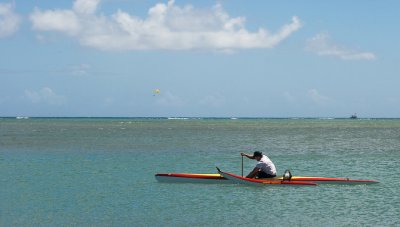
[229, 178]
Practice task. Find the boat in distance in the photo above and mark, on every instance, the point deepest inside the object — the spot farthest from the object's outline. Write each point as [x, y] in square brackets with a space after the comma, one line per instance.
[217, 178]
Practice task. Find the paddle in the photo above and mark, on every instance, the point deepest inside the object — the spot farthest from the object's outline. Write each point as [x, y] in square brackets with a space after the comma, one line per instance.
[242, 165]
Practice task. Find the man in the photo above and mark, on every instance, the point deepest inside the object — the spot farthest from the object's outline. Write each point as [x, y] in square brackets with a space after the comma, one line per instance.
[264, 168]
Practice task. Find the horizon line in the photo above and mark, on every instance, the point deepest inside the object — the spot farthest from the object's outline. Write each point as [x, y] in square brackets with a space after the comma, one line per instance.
[195, 117]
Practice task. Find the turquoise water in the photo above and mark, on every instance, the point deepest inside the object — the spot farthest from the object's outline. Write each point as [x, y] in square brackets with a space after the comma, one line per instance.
[100, 172]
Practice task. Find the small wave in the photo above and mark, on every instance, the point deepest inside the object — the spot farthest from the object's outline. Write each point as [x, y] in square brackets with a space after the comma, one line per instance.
[20, 118]
[178, 118]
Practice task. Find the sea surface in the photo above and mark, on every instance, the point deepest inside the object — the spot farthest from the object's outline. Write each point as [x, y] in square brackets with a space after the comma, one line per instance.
[100, 171]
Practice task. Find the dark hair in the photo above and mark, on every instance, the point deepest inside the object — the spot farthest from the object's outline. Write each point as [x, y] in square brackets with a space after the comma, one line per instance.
[257, 154]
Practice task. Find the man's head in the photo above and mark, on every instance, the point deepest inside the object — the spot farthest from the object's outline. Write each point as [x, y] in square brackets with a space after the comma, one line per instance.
[257, 155]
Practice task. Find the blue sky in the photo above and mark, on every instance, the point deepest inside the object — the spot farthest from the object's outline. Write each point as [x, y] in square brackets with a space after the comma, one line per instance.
[208, 58]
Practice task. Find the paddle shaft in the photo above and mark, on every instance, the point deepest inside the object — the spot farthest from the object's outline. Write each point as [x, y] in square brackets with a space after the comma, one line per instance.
[242, 166]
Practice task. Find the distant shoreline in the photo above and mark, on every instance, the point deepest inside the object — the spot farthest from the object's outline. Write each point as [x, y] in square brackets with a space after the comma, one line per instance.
[208, 118]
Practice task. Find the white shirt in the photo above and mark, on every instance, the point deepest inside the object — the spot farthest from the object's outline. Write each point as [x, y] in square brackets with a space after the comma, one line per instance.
[266, 165]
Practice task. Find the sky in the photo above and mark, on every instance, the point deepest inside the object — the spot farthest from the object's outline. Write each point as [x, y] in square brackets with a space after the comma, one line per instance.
[136, 58]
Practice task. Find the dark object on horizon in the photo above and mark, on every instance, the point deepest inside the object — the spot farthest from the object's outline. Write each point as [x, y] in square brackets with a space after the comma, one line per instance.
[354, 116]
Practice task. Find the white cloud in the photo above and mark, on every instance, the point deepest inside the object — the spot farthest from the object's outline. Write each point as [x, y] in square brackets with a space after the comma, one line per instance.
[9, 20]
[86, 6]
[65, 21]
[323, 45]
[45, 95]
[167, 26]
[318, 98]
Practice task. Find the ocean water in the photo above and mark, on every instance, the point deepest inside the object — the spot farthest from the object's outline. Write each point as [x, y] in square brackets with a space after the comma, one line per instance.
[100, 172]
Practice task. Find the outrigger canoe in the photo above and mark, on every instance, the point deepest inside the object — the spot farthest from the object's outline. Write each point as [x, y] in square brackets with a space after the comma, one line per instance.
[210, 178]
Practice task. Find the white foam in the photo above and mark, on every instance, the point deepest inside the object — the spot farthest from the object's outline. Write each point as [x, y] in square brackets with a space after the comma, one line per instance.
[178, 118]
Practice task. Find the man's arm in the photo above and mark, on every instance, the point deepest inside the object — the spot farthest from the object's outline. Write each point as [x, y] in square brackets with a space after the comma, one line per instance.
[253, 173]
[247, 155]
